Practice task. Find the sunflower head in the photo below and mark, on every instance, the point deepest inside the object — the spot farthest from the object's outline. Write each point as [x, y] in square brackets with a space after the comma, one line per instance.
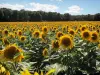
[22, 38]
[66, 41]
[36, 34]
[5, 32]
[94, 37]
[83, 28]
[12, 50]
[11, 35]
[98, 30]
[19, 32]
[44, 29]
[55, 44]
[59, 34]
[86, 34]
[45, 52]
[43, 35]
[72, 32]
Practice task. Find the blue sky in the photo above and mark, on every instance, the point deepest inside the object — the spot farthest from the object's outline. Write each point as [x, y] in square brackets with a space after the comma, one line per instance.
[61, 6]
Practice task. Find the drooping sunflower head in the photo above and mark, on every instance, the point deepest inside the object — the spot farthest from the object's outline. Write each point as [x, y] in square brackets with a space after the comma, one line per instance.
[94, 37]
[86, 34]
[59, 34]
[22, 38]
[10, 52]
[36, 34]
[66, 41]
[55, 44]
[43, 35]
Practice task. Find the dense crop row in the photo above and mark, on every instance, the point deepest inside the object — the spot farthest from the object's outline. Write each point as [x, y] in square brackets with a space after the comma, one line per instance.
[49, 48]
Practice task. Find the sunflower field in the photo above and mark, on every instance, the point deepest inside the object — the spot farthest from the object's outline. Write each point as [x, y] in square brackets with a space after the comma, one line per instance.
[50, 48]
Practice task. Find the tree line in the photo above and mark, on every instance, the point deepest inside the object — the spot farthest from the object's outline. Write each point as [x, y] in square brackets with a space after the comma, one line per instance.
[8, 15]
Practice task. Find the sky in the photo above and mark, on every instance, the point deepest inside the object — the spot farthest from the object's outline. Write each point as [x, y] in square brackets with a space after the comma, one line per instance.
[74, 7]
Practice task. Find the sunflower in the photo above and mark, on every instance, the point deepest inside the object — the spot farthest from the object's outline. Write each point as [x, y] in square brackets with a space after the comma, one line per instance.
[45, 52]
[5, 32]
[19, 33]
[22, 38]
[86, 34]
[36, 34]
[43, 37]
[59, 34]
[98, 30]
[10, 53]
[94, 37]
[44, 29]
[72, 32]
[66, 41]
[83, 28]
[11, 35]
[55, 44]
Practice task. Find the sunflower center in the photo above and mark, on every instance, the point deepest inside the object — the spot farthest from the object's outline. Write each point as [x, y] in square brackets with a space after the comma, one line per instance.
[6, 32]
[37, 34]
[22, 38]
[66, 42]
[45, 29]
[10, 52]
[71, 32]
[86, 35]
[20, 33]
[83, 28]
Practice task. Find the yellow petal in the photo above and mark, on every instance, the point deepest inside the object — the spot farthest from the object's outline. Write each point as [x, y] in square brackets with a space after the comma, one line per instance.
[51, 71]
[36, 73]
[7, 73]
[41, 72]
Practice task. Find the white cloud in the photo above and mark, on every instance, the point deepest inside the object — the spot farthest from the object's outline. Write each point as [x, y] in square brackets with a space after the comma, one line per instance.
[31, 6]
[13, 7]
[75, 9]
[43, 7]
